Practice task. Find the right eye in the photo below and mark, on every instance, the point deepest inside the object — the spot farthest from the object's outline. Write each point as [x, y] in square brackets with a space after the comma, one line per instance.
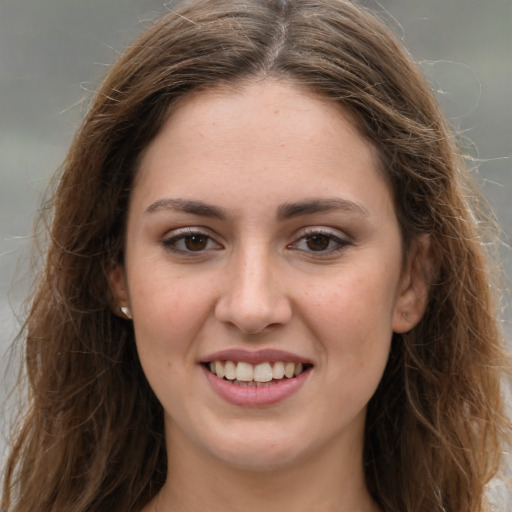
[190, 241]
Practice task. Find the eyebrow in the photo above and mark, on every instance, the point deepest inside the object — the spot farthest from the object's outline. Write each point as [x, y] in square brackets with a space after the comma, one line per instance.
[188, 206]
[284, 211]
[311, 206]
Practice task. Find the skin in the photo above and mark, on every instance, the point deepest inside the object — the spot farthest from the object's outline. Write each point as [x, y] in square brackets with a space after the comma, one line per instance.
[256, 283]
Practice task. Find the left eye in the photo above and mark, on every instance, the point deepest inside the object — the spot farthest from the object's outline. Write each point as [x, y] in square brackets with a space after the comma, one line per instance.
[191, 242]
[319, 242]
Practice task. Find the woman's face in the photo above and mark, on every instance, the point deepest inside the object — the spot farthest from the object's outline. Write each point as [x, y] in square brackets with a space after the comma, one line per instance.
[262, 242]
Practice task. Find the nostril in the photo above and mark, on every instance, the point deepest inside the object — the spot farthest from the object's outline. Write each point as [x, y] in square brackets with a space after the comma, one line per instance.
[253, 308]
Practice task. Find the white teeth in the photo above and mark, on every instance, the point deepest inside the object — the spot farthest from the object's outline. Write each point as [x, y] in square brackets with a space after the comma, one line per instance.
[244, 372]
[278, 370]
[263, 373]
[219, 369]
[289, 369]
[230, 370]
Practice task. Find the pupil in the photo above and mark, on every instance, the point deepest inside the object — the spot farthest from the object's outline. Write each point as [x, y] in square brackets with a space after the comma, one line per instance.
[195, 242]
[318, 242]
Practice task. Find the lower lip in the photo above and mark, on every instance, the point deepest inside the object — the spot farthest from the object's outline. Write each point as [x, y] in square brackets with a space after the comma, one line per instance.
[255, 396]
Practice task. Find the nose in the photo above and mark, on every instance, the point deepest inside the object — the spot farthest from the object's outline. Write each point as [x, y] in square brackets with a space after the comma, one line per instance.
[253, 297]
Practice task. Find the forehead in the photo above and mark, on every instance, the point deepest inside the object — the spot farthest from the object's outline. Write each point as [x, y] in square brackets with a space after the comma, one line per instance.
[265, 133]
[244, 107]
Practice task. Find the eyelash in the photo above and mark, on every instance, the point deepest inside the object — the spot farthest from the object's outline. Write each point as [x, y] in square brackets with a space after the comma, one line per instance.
[310, 233]
[188, 234]
[185, 235]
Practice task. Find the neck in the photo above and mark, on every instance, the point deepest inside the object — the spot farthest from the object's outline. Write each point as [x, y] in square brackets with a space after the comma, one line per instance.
[324, 482]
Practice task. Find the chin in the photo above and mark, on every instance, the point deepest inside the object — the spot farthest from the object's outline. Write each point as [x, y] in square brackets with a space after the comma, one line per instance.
[260, 460]
[254, 449]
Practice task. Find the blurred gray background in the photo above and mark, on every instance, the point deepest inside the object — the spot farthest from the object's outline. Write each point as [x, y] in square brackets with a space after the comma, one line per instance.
[53, 54]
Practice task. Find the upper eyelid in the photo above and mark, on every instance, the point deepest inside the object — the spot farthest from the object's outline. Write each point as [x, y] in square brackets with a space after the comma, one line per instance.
[181, 233]
[189, 230]
[323, 230]
[304, 231]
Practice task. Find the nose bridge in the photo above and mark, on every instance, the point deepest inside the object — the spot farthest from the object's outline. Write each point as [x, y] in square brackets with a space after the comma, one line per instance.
[253, 299]
[254, 277]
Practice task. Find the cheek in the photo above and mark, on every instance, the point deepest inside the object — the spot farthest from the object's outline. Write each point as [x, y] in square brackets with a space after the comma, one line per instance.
[167, 318]
[355, 302]
[168, 310]
[352, 319]
[351, 322]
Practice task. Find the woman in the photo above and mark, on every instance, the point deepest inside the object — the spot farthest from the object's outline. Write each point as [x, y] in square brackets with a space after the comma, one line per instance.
[265, 285]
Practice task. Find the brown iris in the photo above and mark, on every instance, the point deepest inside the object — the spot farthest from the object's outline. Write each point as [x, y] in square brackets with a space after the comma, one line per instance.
[318, 242]
[196, 242]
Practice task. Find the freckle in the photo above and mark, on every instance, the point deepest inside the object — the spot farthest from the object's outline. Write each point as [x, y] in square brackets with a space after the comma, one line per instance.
[276, 111]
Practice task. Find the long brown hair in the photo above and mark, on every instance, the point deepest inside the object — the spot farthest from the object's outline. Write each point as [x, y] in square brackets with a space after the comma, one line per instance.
[92, 434]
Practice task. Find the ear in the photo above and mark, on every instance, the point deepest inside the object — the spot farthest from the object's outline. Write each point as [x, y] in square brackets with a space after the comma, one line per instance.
[119, 290]
[414, 287]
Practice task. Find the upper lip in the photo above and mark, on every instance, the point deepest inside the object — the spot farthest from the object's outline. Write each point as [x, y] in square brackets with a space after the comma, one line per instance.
[267, 355]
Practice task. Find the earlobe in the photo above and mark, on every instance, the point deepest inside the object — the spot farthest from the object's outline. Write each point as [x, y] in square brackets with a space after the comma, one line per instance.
[414, 289]
[119, 290]
[126, 312]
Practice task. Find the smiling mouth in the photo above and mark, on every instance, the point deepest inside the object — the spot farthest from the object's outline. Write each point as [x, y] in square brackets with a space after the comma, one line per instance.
[256, 375]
